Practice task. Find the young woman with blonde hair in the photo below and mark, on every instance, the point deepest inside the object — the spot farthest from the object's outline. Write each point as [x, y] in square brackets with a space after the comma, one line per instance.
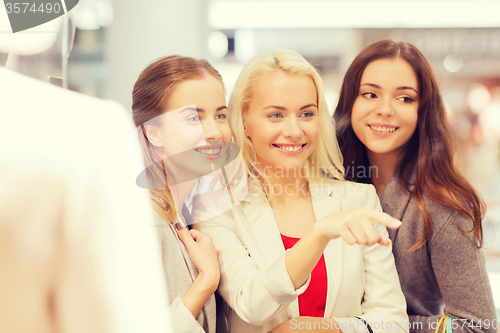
[305, 249]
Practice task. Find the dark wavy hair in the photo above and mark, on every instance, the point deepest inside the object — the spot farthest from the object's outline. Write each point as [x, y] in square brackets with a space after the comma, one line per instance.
[431, 149]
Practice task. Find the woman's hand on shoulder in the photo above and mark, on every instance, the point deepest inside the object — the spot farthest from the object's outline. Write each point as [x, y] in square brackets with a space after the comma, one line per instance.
[203, 255]
[357, 226]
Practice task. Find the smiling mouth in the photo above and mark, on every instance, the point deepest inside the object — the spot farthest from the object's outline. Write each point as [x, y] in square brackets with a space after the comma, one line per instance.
[290, 148]
[209, 151]
[383, 129]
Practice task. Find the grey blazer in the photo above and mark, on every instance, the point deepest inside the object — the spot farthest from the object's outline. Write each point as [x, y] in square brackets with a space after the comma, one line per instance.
[447, 274]
[181, 274]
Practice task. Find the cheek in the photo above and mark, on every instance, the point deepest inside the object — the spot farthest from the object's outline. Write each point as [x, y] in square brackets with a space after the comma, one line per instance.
[411, 120]
[313, 131]
[357, 112]
[188, 135]
[356, 122]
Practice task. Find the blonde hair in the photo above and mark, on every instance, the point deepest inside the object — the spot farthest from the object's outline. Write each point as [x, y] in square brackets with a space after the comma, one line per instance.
[326, 159]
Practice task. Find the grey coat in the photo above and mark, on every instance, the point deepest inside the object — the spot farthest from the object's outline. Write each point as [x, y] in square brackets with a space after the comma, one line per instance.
[447, 274]
[181, 274]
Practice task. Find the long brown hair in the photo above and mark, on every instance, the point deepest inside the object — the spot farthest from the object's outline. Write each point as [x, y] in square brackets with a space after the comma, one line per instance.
[431, 148]
[151, 97]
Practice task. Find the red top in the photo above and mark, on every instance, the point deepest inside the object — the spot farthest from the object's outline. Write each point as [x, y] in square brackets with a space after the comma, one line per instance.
[313, 301]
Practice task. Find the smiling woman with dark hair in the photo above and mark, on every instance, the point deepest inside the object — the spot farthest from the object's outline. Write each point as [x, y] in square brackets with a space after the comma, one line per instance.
[391, 120]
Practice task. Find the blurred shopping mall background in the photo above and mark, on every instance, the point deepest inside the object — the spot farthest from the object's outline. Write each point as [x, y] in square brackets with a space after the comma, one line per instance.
[116, 40]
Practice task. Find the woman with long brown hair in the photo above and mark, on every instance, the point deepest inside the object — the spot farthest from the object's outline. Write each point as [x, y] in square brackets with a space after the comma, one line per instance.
[394, 133]
[180, 109]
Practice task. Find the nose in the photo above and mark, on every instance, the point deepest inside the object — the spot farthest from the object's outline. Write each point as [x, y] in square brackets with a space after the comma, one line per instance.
[292, 128]
[211, 131]
[385, 108]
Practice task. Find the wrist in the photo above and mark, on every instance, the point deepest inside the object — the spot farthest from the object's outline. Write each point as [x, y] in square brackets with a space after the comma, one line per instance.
[198, 294]
[208, 281]
[318, 232]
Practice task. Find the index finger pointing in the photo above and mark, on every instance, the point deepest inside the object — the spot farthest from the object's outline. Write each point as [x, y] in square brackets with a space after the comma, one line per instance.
[385, 219]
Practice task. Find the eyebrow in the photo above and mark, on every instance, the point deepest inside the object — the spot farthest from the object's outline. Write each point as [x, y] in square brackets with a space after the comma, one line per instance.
[283, 108]
[203, 110]
[398, 88]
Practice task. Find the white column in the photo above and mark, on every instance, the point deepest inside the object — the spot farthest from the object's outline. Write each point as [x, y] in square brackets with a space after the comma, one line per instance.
[145, 30]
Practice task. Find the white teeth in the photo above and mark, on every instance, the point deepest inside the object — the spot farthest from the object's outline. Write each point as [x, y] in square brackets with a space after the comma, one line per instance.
[383, 129]
[209, 151]
[290, 148]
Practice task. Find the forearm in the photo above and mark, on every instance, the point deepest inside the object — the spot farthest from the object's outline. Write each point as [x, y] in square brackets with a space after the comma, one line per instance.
[201, 290]
[301, 259]
[384, 305]
[256, 294]
[182, 319]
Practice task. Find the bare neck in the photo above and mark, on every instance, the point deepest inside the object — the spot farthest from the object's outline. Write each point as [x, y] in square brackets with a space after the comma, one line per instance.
[383, 167]
[288, 187]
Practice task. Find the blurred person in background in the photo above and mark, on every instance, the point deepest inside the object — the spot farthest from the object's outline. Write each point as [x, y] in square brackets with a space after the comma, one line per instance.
[301, 251]
[76, 250]
[180, 109]
[394, 133]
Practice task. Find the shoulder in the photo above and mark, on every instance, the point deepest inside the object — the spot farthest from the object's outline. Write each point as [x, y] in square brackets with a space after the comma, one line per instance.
[227, 219]
[440, 212]
[447, 222]
[158, 219]
[163, 228]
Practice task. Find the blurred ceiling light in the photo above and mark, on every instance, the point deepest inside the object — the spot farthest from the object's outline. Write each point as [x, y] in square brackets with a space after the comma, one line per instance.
[490, 118]
[478, 97]
[217, 44]
[453, 63]
[244, 45]
[94, 14]
[231, 14]
[449, 110]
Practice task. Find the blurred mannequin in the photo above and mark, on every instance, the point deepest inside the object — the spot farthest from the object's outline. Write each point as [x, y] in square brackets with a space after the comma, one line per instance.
[77, 253]
[41, 52]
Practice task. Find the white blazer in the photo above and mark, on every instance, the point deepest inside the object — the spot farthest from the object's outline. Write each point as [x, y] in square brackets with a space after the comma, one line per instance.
[362, 281]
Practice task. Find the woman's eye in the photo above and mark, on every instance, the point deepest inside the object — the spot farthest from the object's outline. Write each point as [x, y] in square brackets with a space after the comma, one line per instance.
[369, 95]
[275, 115]
[405, 99]
[308, 114]
[220, 116]
[193, 119]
